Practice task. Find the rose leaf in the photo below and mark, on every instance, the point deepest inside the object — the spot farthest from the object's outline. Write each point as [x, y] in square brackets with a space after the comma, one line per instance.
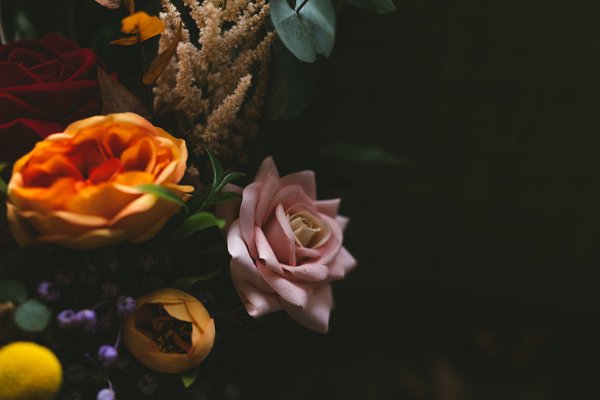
[117, 99]
[163, 193]
[189, 281]
[308, 30]
[196, 223]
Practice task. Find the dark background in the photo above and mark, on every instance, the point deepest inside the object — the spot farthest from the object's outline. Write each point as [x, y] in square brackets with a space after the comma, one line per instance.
[478, 274]
[478, 252]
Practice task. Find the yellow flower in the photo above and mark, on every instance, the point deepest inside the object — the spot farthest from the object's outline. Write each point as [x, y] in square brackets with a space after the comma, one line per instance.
[28, 371]
[170, 331]
[79, 188]
[141, 26]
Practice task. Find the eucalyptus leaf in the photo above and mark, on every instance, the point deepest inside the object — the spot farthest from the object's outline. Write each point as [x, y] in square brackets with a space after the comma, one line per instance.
[189, 377]
[307, 32]
[32, 316]
[196, 223]
[376, 6]
[13, 291]
[163, 193]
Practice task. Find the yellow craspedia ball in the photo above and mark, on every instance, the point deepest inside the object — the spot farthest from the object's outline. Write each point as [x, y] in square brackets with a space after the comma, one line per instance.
[28, 371]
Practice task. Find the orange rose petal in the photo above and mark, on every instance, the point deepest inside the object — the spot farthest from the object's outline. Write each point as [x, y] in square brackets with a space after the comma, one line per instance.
[63, 223]
[70, 178]
[22, 232]
[131, 179]
[151, 231]
[91, 240]
[141, 156]
[104, 200]
[43, 199]
[106, 172]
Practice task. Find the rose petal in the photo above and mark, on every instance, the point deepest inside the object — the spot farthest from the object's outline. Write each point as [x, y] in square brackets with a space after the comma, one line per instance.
[343, 263]
[315, 315]
[304, 179]
[266, 167]
[328, 207]
[281, 237]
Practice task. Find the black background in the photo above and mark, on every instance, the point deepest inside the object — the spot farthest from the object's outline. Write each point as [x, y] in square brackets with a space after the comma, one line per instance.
[478, 269]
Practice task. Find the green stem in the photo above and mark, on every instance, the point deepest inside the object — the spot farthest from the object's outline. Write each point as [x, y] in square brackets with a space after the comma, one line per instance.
[301, 6]
[3, 39]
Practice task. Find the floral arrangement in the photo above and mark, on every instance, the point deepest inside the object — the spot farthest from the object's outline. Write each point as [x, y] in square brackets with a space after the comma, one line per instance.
[143, 223]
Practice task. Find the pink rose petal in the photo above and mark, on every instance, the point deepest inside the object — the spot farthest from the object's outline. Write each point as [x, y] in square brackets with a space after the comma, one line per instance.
[266, 167]
[343, 263]
[315, 315]
[304, 179]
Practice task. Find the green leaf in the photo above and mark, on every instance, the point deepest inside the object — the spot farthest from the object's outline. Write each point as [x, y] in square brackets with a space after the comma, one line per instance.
[366, 154]
[163, 193]
[32, 316]
[232, 176]
[306, 33]
[13, 291]
[196, 223]
[224, 197]
[3, 186]
[189, 377]
[216, 167]
[376, 6]
[189, 281]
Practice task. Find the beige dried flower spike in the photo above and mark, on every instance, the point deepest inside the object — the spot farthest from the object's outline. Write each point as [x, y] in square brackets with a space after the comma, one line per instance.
[217, 87]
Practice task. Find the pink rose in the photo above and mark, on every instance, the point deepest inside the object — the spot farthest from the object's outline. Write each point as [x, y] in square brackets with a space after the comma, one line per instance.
[286, 247]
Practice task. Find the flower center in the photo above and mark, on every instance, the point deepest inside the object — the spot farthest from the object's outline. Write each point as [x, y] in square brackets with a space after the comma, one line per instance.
[170, 334]
[309, 230]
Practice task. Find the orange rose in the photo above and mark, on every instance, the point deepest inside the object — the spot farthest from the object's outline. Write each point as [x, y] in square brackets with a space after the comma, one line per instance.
[78, 188]
[170, 331]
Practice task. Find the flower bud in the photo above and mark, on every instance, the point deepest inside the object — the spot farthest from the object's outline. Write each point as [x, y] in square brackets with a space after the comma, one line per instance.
[86, 319]
[106, 394]
[107, 355]
[66, 319]
[48, 291]
[125, 305]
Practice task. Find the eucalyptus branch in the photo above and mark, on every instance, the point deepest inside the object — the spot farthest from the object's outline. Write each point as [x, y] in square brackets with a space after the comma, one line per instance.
[301, 5]
[3, 39]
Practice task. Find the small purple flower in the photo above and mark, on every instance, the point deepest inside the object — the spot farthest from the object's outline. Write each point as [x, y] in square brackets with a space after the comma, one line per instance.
[48, 291]
[86, 319]
[125, 305]
[106, 394]
[107, 355]
[67, 319]
[109, 290]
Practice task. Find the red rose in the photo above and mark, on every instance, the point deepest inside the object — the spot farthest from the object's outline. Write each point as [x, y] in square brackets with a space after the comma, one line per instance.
[44, 86]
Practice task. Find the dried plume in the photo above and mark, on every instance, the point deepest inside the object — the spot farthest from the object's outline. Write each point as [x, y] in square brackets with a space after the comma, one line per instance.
[217, 86]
